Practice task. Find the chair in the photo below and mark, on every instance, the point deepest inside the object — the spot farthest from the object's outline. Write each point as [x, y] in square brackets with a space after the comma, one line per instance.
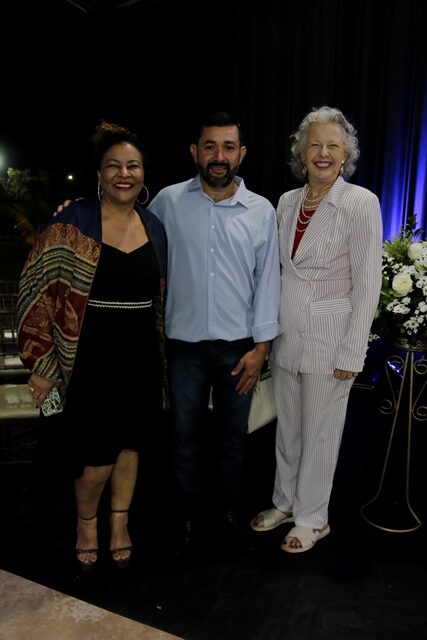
[8, 328]
[18, 418]
[8, 286]
[11, 367]
[18, 412]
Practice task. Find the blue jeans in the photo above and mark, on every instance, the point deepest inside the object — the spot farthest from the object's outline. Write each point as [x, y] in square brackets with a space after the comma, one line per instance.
[194, 368]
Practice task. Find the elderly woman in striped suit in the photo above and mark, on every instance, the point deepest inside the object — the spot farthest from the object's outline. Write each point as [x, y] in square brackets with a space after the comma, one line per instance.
[330, 235]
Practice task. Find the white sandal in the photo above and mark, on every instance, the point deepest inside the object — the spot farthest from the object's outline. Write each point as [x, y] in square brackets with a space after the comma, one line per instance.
[270, 519]
[306, 536]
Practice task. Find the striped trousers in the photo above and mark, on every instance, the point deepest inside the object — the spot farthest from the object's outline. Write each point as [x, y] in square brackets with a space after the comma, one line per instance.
[311, 413]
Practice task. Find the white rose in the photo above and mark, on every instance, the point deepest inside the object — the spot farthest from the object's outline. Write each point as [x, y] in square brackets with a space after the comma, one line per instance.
[415, 251]
[402, 284]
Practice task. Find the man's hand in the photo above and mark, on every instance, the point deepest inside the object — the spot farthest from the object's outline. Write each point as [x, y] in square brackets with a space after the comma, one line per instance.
[345, 375]
[62, 206]
[250, 364]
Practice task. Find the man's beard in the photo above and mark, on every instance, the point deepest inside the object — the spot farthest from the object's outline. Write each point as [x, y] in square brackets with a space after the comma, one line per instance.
[217, 182]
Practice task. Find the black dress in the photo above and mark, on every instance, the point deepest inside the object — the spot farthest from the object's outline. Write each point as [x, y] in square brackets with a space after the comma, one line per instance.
[115, 391]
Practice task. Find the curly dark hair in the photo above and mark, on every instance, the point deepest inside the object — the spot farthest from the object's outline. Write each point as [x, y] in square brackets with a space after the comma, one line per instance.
[107, 134]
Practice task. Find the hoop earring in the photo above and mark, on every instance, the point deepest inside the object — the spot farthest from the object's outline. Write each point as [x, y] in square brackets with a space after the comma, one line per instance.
[341, 171]
[148, 195]
[99, 191]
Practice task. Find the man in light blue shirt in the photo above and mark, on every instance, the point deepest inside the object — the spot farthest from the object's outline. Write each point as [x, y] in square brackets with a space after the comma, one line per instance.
[221, 311]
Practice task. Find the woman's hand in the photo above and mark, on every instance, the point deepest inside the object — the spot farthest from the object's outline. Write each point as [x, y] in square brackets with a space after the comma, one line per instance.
[40, 387]
[345, 375]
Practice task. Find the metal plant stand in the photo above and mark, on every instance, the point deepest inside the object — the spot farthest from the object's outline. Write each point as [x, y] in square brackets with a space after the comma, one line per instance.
[405, 402]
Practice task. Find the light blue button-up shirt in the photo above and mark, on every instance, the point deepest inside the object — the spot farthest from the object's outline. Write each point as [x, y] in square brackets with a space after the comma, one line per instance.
[223, 264]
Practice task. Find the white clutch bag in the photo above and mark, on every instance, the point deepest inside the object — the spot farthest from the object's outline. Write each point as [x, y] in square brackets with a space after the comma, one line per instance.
[263, 408]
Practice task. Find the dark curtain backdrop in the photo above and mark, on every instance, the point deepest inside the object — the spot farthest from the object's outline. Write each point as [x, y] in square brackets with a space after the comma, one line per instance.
[156, 63]
[367, 58]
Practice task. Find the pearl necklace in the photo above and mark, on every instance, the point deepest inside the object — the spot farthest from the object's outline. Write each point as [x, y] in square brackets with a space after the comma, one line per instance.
[316, 200]
[303, 213]
[310, 199]
[306, 207]
[304, 218]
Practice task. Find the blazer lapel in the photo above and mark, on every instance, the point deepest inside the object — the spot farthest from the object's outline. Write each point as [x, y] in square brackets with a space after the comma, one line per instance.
[288, 220]
[318, 226]
[320, 223]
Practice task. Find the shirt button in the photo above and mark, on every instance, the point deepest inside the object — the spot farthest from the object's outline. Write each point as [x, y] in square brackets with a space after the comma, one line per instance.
[212, 250]
[211, 275]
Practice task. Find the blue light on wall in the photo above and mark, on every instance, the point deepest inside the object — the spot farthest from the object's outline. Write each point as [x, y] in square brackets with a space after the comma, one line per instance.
[420, 200]
[404, 189]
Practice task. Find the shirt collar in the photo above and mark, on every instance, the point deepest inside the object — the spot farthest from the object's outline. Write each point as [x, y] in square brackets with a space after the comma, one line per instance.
[241, 196]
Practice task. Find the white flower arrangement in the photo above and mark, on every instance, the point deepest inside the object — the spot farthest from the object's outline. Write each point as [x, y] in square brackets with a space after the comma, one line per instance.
[402, 309]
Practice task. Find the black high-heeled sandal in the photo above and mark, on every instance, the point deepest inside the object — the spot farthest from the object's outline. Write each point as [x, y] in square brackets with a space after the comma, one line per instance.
[85, 556]
[121, 562]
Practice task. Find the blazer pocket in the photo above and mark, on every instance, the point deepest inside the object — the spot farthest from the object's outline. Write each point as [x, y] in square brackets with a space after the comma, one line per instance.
[328, 307]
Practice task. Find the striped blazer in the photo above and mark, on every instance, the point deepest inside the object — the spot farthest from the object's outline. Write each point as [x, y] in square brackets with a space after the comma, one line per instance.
[330, 289]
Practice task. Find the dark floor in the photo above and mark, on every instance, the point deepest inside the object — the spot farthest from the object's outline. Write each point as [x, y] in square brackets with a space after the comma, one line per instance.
[359, 583]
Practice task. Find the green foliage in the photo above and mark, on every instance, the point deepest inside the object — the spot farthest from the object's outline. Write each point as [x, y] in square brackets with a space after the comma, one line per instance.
[24, 203]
